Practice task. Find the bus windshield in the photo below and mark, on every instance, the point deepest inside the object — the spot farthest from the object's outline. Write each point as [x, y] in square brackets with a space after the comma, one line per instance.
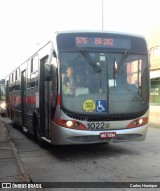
[101, 82]
[114, 87]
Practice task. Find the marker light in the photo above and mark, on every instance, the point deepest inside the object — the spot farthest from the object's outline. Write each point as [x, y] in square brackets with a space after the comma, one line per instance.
[138, 122]
[71, 124]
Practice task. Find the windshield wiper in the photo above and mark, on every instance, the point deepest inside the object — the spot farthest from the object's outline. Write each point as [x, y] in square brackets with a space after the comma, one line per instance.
[90, 60]
[125, 55]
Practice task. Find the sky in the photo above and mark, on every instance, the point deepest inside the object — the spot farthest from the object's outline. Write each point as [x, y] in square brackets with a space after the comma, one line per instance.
[25, 23]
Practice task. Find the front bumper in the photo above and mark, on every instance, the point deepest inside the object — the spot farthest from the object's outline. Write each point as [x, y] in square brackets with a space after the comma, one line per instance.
[63, 136]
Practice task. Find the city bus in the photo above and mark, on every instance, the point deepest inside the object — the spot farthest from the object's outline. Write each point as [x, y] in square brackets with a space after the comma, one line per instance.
[83, 88]
[2, 97]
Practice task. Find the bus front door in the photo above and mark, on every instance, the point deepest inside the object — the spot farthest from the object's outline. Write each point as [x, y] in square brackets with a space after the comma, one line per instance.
[23, 98]
[44, 101]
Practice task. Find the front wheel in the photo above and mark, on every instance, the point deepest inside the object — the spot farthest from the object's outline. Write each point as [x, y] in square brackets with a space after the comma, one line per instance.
[37, 133]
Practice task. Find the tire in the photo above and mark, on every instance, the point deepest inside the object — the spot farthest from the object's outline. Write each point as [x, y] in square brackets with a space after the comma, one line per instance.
[37, 133]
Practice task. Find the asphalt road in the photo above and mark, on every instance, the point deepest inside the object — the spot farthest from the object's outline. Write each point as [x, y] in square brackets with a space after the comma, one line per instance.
[115, 162]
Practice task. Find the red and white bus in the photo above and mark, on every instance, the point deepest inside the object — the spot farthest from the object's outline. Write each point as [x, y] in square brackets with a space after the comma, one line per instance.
[83, 88]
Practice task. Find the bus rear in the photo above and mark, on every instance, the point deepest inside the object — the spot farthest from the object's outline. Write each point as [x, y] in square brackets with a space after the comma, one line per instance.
[109, 97]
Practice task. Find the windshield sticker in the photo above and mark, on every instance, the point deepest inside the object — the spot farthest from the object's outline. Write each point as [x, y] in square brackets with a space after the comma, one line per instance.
[89, 105]
[101, 105]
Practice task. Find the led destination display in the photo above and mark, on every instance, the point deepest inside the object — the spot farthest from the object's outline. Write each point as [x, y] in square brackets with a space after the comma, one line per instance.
[102, 42]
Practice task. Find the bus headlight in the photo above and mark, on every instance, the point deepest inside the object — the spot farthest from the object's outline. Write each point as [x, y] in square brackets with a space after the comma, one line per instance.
[141, 121]
[138, 122]
[3, 105]
[71, 124]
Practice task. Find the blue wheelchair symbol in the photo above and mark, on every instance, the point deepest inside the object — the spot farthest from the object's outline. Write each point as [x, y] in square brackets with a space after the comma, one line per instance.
[101, 105]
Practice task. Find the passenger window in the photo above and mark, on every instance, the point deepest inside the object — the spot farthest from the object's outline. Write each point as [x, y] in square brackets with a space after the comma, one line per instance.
[29, 75]
[34, 79]
[17, 77]
[34, 72]
[34, 64]
[32, 76]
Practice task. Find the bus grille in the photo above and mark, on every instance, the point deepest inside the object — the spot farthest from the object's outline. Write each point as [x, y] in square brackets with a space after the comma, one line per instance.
[97, 139]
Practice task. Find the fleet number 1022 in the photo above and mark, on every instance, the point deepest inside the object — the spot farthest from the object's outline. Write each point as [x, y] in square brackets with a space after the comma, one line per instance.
[92, 126]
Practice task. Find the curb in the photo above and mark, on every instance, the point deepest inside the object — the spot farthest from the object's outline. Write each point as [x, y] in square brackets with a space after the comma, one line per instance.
[25, 175]
[15, 152]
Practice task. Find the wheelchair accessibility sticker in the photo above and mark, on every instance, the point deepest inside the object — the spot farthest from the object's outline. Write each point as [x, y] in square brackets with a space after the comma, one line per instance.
[101, 105]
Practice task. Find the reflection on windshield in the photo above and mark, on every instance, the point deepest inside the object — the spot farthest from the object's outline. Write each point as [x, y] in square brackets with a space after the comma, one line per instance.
[103, 82]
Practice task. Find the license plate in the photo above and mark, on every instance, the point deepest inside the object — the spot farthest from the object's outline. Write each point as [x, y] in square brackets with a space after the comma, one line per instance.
[108, 135]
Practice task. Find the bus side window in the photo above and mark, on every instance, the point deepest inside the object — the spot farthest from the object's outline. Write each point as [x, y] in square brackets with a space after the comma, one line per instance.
[34, 79]
[34, 72]
[12, 83]
[29, 75]
[17, 77]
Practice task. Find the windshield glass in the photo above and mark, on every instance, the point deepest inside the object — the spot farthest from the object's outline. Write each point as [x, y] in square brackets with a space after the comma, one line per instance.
[2, 92]
[99, 82]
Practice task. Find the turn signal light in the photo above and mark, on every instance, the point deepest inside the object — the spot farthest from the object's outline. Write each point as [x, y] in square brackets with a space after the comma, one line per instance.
[138, 122]
[71, 124]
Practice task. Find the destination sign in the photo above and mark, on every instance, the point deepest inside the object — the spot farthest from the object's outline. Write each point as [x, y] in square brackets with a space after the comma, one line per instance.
[102, 42]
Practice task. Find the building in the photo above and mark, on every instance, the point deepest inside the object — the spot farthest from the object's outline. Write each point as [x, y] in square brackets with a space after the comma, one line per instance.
[154, 49]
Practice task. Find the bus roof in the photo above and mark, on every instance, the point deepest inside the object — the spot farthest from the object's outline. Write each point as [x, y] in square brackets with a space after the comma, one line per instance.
[56, 33]
[101, 32]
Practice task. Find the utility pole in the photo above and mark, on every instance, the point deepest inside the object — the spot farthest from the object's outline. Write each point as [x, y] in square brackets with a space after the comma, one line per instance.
[102, 14]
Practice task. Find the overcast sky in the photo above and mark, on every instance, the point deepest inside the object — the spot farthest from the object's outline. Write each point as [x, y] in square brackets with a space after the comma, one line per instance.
[24, 23]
